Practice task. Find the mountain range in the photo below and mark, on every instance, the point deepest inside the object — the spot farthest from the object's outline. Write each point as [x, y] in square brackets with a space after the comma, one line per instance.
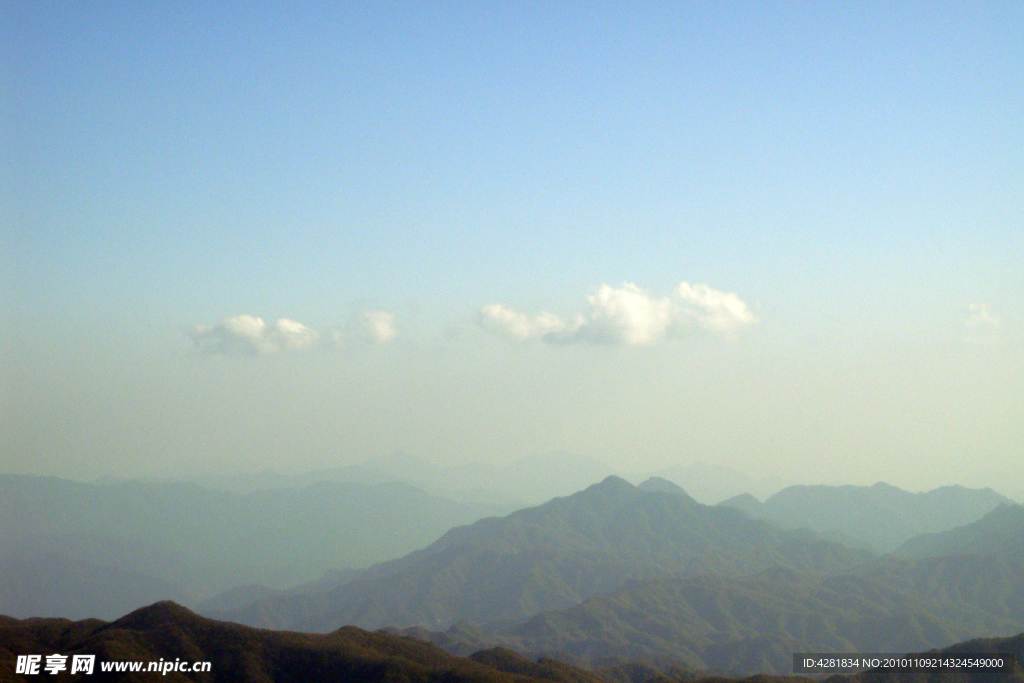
[1001, 532]
[168, 632]
[879, 517]
[526, 481]
[104, 545]
[550, 557]
[610, 576]
[752, 624]
[530, 480]
[617, 572]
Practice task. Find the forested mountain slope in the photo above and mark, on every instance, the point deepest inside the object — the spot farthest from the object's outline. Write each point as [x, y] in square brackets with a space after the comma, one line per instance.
[551, 557]
[754, 624]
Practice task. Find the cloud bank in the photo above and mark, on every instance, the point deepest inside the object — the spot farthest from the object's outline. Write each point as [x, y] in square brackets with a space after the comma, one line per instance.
[247, 335]
[627, 315]
[244, 335]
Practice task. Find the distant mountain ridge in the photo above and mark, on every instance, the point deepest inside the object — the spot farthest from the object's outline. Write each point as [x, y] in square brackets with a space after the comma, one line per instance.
[46, 583]
[529, 480]
[882, 516]
[664, 486]
[710, 484]
[186, 542]
[553, 556]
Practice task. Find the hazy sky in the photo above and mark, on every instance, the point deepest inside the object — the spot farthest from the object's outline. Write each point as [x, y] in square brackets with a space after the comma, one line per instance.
[786, 238]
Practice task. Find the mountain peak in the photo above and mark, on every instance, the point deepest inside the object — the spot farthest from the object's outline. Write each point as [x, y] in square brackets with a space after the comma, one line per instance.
[612, 483]
[745, 501]
[163, 612]
[660, 485]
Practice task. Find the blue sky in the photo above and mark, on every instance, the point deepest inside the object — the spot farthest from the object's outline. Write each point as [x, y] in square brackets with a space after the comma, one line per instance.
[852, 172]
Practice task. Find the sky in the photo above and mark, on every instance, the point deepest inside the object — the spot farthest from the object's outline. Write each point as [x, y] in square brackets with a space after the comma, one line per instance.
[786, 238]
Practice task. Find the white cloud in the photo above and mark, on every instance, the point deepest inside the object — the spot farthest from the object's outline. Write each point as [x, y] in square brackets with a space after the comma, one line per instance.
[984, 327]
[546, 326]
[628, 315]
[714, 310]
[380, 326]
[249, 335]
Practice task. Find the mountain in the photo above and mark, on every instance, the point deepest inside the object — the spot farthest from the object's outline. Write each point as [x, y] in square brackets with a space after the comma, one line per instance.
[940, 588]
[754, 624]
[168, 632]
[186, 542]
[663, 485]
[529, 480]
[551, 557]
[396, 467]
[711, 484]
[982, 593]
[882, 516]
[1010, 648]
[739, 626]
[1000, 532]
[533, 479]
[746, 502]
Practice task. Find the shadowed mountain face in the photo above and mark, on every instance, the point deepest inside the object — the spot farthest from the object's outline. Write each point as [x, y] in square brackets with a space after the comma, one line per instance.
[185, 542]
[1001, 532]
[244, 655]
[741, 626]
[550, 557]
[881, 516]
[982, 593]
[754, 624]
[744, 625]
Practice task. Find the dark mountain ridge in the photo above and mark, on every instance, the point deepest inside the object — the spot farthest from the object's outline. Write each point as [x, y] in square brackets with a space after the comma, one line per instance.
[238, 654]
[166, 631]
